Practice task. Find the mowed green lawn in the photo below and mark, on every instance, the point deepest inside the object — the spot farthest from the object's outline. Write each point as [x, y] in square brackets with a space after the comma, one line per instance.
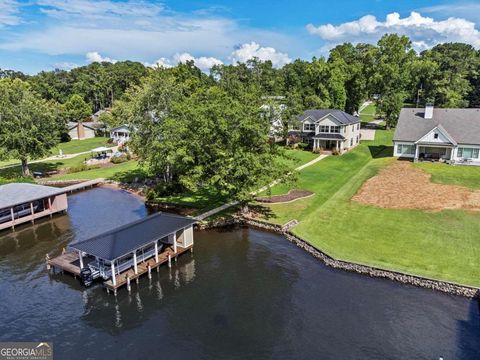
[71, 147]
[78, 146]
[442, 245]
[468, 176]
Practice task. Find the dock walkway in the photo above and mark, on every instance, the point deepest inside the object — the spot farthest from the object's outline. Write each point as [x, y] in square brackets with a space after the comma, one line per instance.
[121, 279]
[69, 262]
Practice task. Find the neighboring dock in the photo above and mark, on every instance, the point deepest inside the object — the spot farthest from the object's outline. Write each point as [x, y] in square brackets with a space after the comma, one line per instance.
[83, 185]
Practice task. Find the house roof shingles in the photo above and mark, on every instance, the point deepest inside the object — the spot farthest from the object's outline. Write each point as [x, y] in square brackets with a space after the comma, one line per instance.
[22, 193]
[121, 241]
[341, 116]
[462, 125]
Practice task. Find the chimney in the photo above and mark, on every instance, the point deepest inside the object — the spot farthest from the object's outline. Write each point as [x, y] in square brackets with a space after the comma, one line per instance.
[80, 131]
[428, 111]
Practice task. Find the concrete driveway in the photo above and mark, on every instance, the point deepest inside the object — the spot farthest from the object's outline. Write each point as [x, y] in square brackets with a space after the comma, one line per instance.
[367, 134]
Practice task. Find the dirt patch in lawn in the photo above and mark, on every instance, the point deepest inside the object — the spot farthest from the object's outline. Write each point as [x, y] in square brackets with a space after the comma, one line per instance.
[401, 186]
[291, 196]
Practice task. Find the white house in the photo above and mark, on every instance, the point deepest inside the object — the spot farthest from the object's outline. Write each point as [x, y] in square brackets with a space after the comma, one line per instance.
[329, 129]
[120, 134]
[445, 135]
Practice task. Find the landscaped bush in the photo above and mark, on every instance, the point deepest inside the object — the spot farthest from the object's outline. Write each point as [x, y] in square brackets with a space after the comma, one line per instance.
[119, 159]
[163, 189]
[302, 145]
[318, 150]
[79, 168]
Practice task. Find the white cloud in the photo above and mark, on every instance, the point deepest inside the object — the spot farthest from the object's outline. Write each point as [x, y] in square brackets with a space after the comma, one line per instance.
[251, 50]
[9, 10]
[424, 31]
[203, 63]
[94, 56]
[94, 9]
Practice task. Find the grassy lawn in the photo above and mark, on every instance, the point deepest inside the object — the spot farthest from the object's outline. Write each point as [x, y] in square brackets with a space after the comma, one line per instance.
[71, 147]
[208, 199]
[77, 146]
[442, 245]
[120, 172]
[299, 157]
[467, 176]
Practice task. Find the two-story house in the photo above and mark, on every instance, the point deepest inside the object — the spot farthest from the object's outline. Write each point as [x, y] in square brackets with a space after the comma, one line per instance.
[329, 129]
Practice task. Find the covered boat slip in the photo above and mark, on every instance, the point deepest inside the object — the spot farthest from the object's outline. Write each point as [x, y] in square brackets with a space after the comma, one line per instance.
[22, 202]
[127, 252]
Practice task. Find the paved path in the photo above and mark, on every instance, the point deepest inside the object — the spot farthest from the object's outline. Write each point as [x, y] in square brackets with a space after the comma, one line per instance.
[364, 105]
[367, 134]
[56, 157]
[273, 183]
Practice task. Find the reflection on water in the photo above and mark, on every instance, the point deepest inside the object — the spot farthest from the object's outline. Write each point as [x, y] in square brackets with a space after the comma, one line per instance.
[243, 294]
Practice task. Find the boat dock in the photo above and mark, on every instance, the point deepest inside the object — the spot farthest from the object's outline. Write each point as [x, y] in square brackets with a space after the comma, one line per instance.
[145, 267]
[83, 185]
[124, 254]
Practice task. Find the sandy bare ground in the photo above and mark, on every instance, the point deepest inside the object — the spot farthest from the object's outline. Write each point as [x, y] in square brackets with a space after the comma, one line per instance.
[401, 186]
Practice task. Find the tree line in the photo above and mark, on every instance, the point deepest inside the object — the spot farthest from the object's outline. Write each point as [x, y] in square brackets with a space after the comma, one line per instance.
[194, 129]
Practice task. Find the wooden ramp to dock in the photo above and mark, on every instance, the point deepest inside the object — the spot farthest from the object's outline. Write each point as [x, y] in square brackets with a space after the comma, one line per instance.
[121, 279]
[68, 262]
[83, 185]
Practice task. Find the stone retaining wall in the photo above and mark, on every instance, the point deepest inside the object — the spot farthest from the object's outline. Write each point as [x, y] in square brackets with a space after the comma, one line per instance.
[443, 286]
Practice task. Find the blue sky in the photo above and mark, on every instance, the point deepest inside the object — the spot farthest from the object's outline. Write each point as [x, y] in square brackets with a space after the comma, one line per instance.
[46, 34]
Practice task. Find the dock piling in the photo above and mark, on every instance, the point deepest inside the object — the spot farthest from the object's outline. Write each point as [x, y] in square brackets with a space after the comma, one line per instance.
[149, 272]
[129, 288]
[169, 261]
[47, 260]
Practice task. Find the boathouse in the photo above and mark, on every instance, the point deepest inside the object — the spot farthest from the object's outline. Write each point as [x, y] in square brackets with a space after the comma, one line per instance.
[22, 202]
[127, 252]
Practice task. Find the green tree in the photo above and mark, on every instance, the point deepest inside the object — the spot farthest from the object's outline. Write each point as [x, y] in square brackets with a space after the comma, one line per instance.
[76, 109]
[29, 127]
[203, 137]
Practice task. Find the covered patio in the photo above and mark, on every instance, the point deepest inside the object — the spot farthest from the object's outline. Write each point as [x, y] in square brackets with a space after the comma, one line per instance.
[427, 152]
[328, 141]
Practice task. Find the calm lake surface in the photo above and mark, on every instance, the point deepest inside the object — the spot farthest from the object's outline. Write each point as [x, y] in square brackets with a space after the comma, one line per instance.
[242, 294]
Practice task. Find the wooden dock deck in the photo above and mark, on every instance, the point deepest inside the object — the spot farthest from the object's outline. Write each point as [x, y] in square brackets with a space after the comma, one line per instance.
[121, 279]
[68, 262]
[83, 185]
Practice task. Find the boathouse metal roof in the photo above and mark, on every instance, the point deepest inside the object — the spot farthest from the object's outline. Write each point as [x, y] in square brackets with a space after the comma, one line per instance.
[121, 241]
[20, 193]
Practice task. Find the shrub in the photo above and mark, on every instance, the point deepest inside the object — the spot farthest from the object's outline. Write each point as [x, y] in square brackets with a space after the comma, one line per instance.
[79, 168]
[119, 159]
[302, 145]
[335, 152]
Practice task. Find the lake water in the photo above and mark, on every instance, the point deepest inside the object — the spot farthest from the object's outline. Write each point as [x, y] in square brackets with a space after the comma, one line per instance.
[242, 294]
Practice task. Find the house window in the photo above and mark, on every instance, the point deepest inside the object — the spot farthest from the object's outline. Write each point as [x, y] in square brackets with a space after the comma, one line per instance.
[357, 139]
[335, 129]
[353, 128]
[403, 149]
[351, 142]
[324, 128]
[358, 126]
[467, 153]
[435, 136]
[308, 127]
